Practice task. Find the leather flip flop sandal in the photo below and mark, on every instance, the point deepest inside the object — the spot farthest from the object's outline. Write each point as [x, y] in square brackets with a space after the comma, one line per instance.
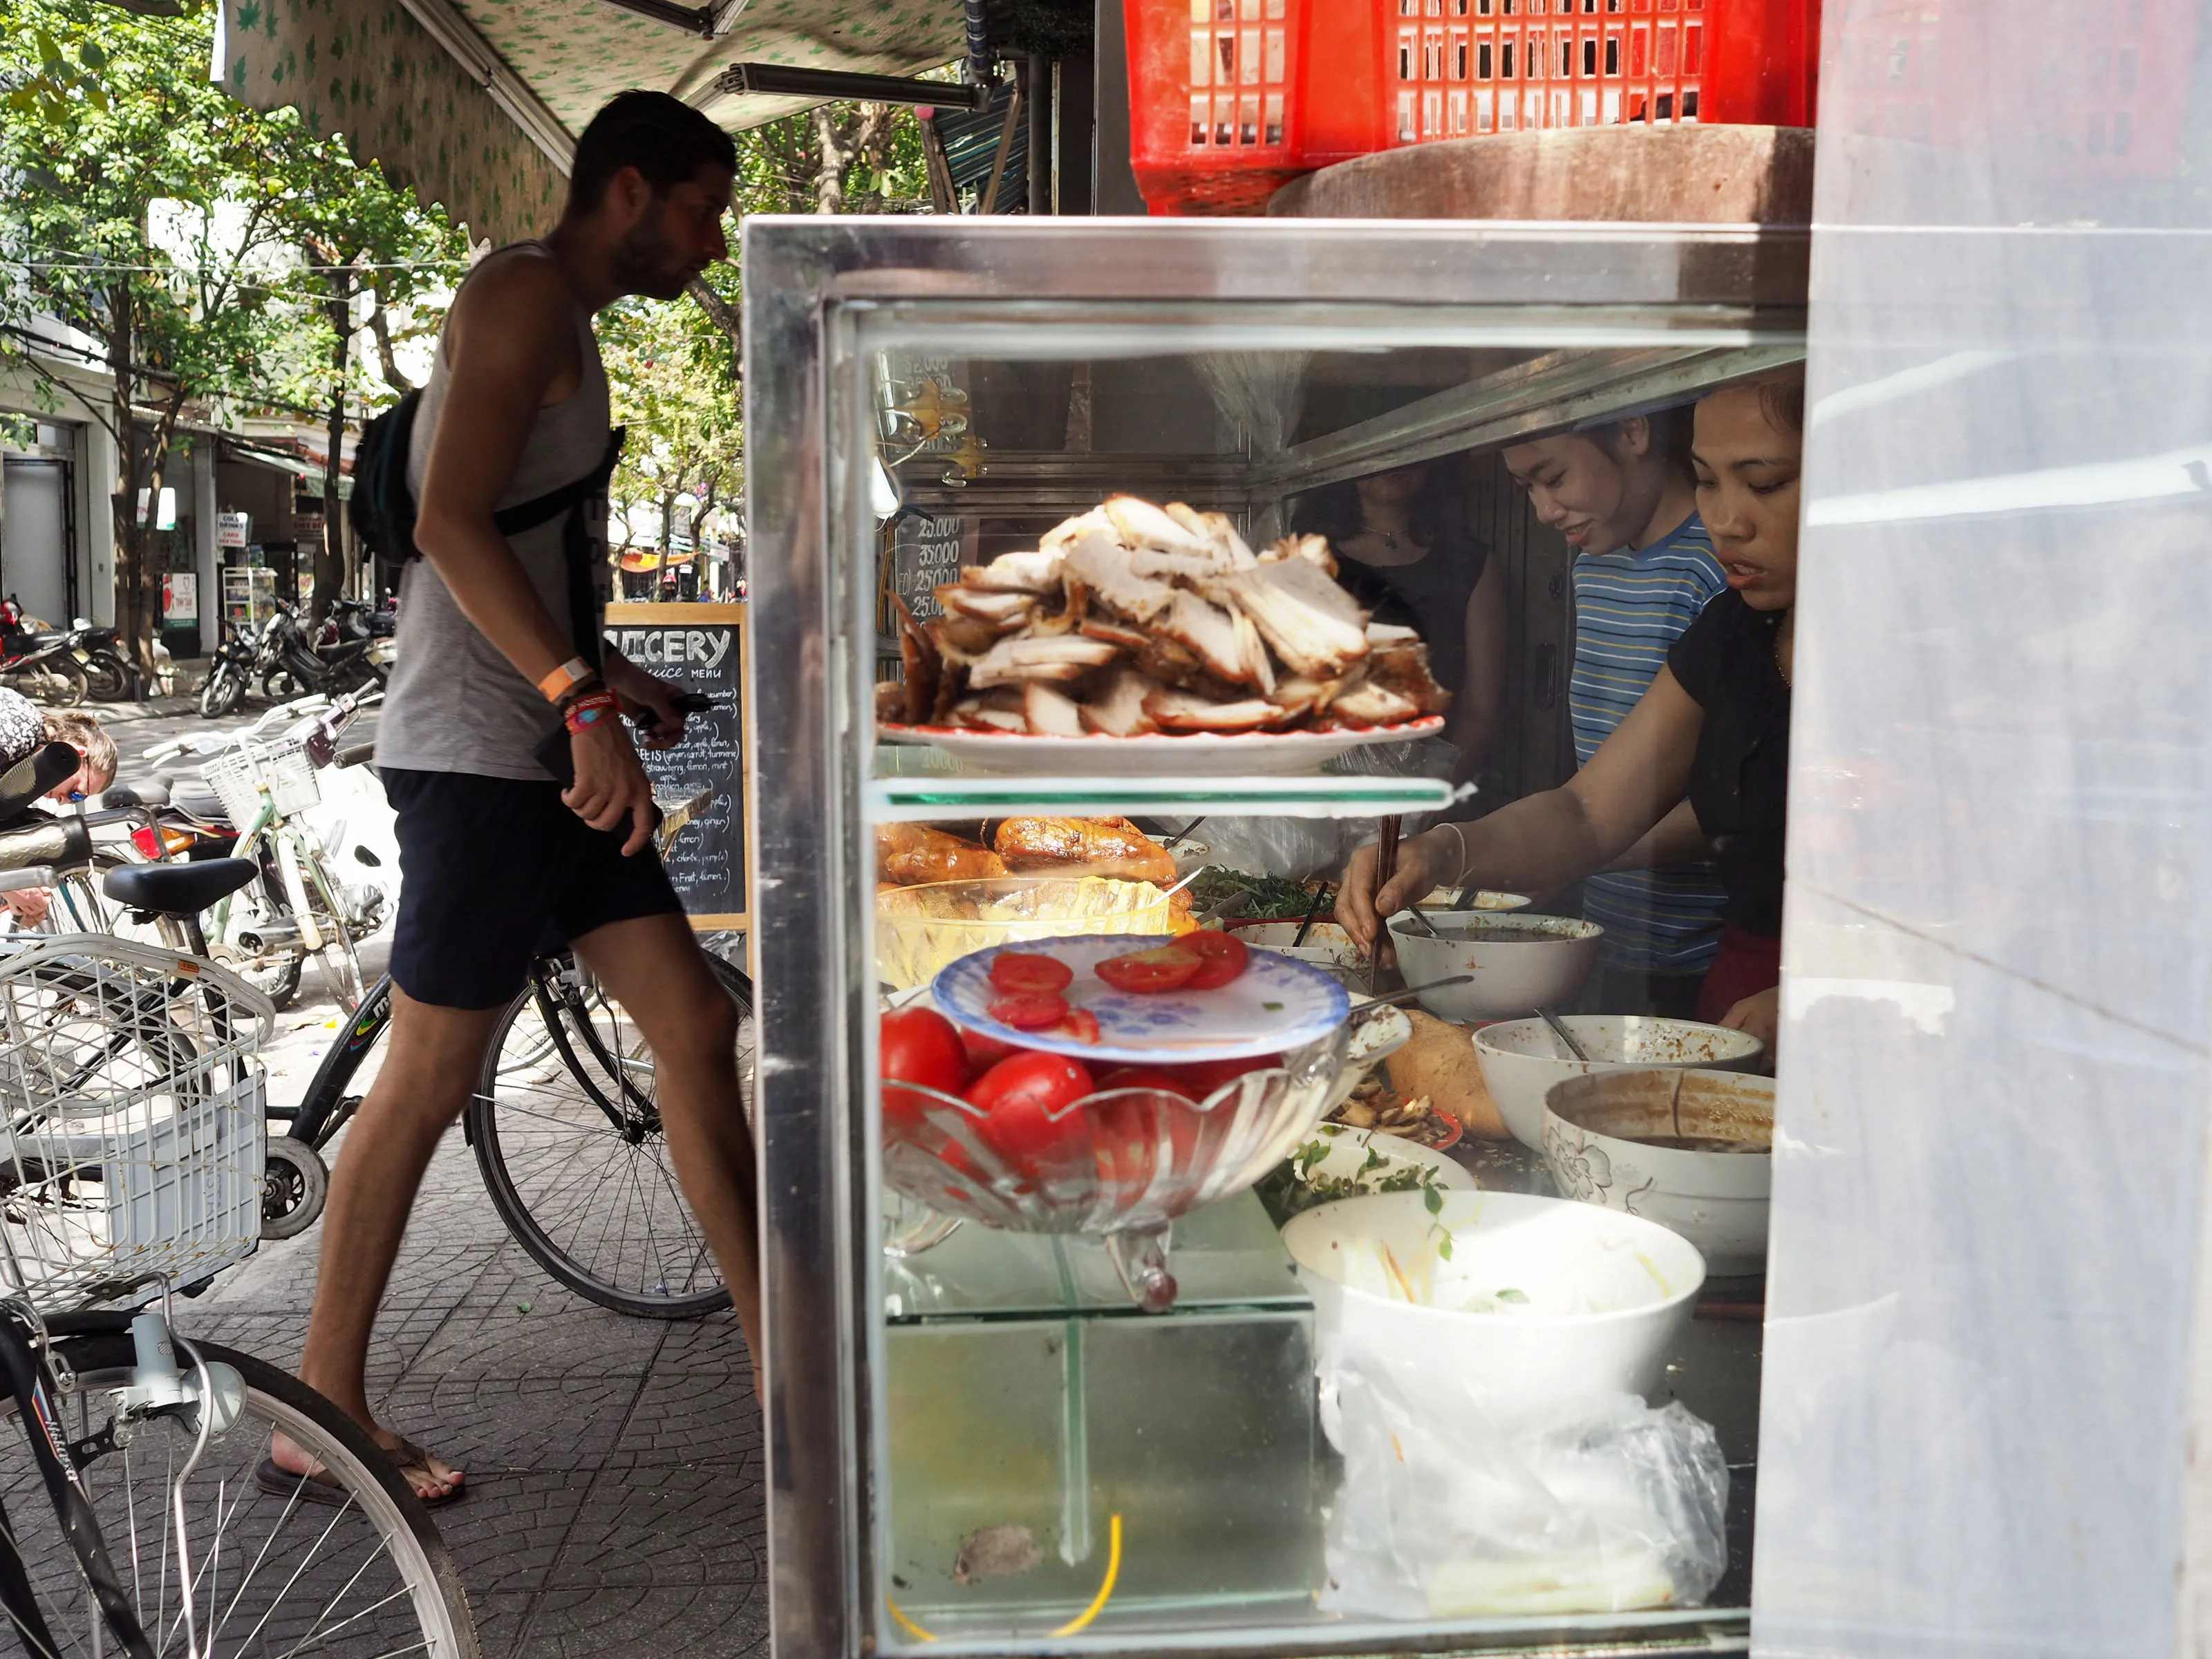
[320, 1488]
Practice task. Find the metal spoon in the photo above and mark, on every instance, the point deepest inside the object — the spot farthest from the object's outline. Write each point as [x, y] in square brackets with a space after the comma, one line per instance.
[1425, 924]
[1409, 993]
[1560, 1030]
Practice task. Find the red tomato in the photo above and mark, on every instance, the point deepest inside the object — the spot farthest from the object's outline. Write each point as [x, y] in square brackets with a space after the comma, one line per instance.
[1147, 973]
[983, 1051]
[1025, 970]
[1081, 1024]
[1028, 1011]
[1147, 1076]
[1026, 1102]
[1123, 1147]
[919, 1045]
[1221, 958]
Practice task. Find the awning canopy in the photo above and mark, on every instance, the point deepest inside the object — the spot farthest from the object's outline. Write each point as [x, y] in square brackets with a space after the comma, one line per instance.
[309, 474]
[475, 104]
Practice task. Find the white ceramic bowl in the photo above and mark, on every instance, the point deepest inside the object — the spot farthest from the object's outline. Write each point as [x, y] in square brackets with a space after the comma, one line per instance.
[1541, 1299]
[1447, 899]
[1598, 1136]
[1324, 942]
[1519, 964]
[1521, 1059]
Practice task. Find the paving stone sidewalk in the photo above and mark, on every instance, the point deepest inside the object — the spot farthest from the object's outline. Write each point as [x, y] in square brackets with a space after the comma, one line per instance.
[615, 1506]
[614, 1464]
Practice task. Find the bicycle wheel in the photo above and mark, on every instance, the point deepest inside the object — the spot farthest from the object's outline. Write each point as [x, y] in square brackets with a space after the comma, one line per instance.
[569, 1143]
[356, 1570]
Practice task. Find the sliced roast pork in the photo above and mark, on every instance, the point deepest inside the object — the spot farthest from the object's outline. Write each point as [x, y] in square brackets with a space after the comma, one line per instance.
[1401, 666]
[994, 711]
[1368, 704]
[1000, 610]
[1314, 625]
[1180, 711]
[1117, 704]
[1130, 638]
[1140, 524]
[922, 663]
[1101, 565]
[1014, 662]
[1050, 715]
[1208, 633]
[1016, 572]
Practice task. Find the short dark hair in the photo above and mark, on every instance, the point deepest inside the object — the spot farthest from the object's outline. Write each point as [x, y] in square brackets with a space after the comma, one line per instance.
[663, 138]
[1781, 400]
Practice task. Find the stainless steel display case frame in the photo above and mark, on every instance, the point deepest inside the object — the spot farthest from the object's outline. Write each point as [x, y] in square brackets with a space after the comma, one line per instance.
[807, 281]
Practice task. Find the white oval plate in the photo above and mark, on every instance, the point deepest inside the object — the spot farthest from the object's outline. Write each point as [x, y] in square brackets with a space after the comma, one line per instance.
[1348, 1147]
[1274, 1006]
[1200, 754]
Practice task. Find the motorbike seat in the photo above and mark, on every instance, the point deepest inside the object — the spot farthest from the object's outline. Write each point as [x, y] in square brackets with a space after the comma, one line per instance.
[191, 796]
[178, 890]
[44, 769]
[136, 792]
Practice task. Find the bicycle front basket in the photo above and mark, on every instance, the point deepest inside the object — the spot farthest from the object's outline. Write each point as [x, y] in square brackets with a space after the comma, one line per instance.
[133, 1139]
[236, 776]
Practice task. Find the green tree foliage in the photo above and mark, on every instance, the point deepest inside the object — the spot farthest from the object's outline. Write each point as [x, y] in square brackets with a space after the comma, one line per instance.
[217, 255]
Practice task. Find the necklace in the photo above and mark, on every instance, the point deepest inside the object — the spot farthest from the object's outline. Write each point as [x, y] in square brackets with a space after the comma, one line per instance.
[1788, 684]
[1389, 536]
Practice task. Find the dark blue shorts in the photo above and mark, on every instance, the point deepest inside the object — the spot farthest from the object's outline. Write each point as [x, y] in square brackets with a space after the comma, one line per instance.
[494, 873]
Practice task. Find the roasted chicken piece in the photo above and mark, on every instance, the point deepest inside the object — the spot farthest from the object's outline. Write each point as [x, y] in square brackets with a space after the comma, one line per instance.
[910, 853]
[1082, 846]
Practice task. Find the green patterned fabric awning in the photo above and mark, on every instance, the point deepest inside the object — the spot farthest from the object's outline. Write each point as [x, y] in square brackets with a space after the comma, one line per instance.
[474, 103]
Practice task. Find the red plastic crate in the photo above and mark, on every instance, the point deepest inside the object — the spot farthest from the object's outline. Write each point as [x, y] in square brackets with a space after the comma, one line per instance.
[1229, 100]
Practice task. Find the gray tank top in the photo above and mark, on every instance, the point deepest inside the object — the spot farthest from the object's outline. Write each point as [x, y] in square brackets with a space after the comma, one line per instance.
[455, 703]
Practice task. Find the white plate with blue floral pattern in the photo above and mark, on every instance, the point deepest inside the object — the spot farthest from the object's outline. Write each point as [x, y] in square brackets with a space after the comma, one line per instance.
[1276, 1004]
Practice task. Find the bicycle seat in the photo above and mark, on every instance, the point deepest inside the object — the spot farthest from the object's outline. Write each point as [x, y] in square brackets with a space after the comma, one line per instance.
[178, 890]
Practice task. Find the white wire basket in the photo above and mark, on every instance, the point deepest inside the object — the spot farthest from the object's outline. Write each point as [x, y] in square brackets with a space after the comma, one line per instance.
[237, 774]
[133, 1142]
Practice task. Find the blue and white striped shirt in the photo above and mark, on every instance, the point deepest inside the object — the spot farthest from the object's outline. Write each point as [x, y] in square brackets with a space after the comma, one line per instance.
[1629, 607]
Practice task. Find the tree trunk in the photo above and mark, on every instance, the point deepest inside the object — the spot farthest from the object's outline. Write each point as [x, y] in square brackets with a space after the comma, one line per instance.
[134, 619]
[331, 562]
[837, 156]
[380, 326]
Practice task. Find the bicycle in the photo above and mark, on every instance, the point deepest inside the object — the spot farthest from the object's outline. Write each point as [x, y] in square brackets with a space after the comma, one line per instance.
[565, 1126]
[130, 1172]
[298, 908]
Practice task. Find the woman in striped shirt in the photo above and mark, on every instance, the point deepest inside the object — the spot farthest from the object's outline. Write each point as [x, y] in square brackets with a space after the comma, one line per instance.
[1622, 495]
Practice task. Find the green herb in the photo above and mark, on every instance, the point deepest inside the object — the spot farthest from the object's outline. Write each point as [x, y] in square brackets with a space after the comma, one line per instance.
[1513, 1296]
[1272, 1007]
[1432, 1200]
[1273, 899]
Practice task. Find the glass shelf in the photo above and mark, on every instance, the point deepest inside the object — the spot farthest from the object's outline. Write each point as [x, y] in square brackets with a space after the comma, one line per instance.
[893, 799]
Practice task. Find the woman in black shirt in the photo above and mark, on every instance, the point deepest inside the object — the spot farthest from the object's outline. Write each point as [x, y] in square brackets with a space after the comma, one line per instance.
[1714, 726]
[1404, 552]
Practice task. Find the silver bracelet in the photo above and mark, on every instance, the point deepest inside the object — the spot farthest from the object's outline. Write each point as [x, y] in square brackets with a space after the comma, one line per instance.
[1459, 835]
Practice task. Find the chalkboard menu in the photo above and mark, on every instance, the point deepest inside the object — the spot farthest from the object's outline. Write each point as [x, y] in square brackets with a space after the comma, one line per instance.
[701, 648]
[926, 552]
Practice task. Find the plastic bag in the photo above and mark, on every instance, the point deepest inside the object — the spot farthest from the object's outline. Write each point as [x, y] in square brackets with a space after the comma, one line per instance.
[1606, 1506]
[1292, 848]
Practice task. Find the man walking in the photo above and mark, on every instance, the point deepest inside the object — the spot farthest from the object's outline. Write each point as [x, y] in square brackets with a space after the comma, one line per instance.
[498, 651]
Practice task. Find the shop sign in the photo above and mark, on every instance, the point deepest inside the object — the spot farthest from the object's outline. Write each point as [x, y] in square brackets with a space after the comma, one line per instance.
[233, 529]
[181, 599]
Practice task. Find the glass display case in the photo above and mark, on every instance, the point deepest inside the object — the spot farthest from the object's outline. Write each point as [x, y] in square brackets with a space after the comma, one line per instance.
[995, 1439]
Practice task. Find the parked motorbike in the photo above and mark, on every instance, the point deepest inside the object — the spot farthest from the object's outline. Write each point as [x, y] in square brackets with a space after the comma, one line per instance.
[339, 657]
[108, 673]
[39, 663]
[237, 659]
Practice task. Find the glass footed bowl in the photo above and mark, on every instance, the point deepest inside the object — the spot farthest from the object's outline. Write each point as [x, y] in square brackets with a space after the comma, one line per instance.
[922, 929]
[1126, 1162]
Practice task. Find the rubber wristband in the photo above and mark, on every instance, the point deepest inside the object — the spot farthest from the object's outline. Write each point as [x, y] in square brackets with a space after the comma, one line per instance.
[590, 710]
[589, 686]
[558, 683]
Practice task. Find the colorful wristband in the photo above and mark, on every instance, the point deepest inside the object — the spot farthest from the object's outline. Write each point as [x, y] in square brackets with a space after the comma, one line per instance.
[590, 710]
[557, 684]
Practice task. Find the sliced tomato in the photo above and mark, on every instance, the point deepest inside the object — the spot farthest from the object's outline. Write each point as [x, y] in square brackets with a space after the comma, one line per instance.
[1221, 958]
[983, 1051]
[1081, 1025]
[1148, 973]
[1028, 1011]
[1025, 970]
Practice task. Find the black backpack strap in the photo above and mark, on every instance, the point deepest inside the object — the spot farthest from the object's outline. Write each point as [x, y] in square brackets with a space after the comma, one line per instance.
[543, 509]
